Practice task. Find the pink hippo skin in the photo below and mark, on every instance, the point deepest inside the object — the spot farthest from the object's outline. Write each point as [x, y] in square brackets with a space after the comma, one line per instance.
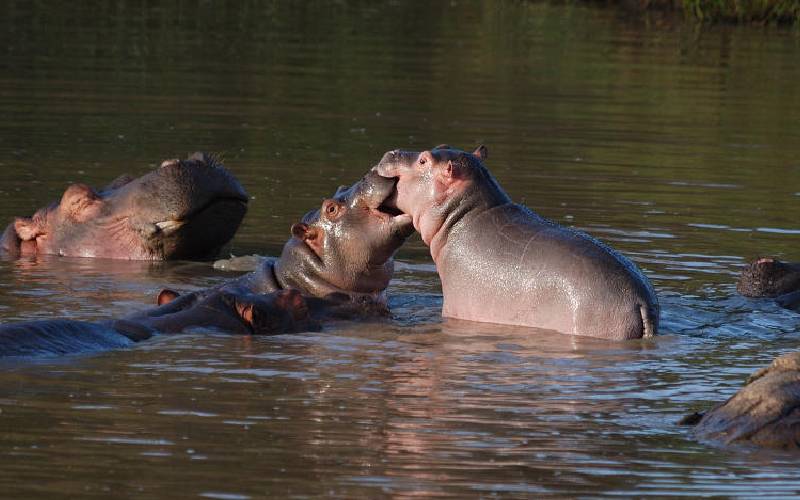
[184, 209]
[501, 263]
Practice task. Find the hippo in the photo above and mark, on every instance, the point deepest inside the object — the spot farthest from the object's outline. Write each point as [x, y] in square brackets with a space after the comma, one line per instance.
[341, 252]
[765, 412]
[336, 265]
[184, 209]
[500, 262]
[769, 277]
[284, 311]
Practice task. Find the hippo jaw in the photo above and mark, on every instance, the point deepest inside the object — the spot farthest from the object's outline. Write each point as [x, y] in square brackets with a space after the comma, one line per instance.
[183, 209]
[348, 244]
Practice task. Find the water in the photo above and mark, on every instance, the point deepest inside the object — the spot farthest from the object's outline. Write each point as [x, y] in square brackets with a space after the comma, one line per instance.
[679, 146]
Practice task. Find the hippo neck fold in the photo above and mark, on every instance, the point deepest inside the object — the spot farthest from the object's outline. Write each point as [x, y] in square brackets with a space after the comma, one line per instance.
[305, 276]
[480, 195]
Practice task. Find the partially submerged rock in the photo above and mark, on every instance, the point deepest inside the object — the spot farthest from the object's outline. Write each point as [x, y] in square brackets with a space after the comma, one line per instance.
[242, 263]
[765, 412]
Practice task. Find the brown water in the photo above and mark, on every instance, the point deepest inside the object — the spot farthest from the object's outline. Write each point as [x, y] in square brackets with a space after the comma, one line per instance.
[679, 146]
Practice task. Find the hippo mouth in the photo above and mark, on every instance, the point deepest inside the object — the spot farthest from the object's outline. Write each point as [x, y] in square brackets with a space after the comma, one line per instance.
[221, 204]
[387, 209]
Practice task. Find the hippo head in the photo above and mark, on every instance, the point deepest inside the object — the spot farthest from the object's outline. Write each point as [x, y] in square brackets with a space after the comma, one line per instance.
[283, 311]
[431, 184]
[347, 245]
[184, 209]
[769, 277]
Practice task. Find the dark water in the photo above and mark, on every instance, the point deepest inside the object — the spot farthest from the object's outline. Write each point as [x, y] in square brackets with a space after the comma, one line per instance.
[679, 146]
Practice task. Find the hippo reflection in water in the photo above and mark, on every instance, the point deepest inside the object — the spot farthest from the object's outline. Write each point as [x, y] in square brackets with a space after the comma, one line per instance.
[185, 209]
[541, 274]
[337, 264]
[772, 278]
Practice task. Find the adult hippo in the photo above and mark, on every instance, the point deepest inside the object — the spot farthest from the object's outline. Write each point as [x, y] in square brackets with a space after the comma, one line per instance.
[337, 264]
[185, 209]
[284, 311]
[768, 277]
[499, 262]
[765, 412]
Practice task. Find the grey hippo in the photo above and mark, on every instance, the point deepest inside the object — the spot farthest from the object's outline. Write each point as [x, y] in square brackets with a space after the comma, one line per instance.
[337, 264]
[769, 277]
[184, 209]
[500, 262]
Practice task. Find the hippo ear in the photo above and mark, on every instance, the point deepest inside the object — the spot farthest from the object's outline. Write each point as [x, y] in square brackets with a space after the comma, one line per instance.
[311, 235]
[165, 296]
[27, 228]
[481, 152]
[341, 189]
[245, 310]
[443, 146]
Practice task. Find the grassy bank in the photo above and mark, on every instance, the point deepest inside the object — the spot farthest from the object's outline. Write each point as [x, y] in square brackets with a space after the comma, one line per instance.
[737, 11]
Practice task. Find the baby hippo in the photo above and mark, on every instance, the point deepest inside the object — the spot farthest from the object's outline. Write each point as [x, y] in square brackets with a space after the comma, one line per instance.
[501, 263]
[185, 209]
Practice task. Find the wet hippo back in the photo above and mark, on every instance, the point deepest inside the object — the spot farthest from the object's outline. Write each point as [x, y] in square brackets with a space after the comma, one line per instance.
[58, 337]
[539, 273]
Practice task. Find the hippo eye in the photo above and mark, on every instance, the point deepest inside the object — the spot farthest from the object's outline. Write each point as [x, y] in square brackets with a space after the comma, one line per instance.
[331, 210]
[422, 161]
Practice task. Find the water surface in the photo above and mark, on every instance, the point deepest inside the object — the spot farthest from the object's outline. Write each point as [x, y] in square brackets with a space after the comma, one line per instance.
[678, 146]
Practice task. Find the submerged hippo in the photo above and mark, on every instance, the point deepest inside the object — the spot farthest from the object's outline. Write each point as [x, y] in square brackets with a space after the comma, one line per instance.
[337, 264]
[769, 277]
[284, 311]
[499, 262]
[185, 209]
[765, 412]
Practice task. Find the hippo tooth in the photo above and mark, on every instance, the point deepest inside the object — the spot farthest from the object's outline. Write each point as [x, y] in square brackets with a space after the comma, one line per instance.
[169, 226]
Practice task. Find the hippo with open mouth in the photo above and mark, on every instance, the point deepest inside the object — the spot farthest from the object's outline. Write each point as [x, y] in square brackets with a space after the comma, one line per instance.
[532, 272]
[337, 264]
[185, 209]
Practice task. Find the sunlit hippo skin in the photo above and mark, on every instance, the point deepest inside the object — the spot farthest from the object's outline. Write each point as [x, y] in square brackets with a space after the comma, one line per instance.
[765, 412]
[284, 311]
[336, 265]
[185, 209]
[499, 262]
[768, 277]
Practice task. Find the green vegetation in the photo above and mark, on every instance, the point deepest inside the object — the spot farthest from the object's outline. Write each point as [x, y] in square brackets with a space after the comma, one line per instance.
[780, 11]
[738, 11]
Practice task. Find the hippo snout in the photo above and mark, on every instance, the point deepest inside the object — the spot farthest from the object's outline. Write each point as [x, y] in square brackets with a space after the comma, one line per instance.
[390, 156]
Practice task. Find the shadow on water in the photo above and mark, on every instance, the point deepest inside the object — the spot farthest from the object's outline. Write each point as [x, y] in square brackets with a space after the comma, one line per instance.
[678, 147]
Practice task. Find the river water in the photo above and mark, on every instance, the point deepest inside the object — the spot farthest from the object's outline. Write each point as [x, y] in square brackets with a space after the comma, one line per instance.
[679, 146]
